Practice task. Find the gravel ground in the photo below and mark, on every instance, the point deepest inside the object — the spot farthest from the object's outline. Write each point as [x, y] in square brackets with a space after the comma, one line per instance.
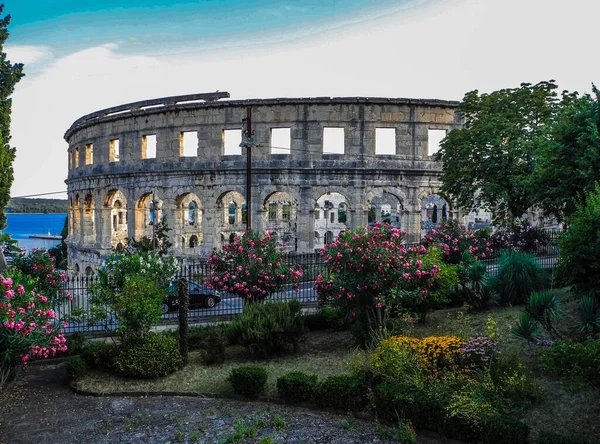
[41, 408]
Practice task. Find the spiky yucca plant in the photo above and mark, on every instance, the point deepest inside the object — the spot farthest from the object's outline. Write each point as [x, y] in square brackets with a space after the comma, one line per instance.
[544, 308]
[519, 275]
[526, 328]
[588, 322]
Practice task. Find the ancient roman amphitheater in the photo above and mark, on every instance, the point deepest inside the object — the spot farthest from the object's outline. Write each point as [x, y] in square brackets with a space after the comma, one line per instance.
[319, 165]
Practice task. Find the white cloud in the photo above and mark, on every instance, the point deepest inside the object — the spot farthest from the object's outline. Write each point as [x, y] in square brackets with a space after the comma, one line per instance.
[440, 51]
[27, 54]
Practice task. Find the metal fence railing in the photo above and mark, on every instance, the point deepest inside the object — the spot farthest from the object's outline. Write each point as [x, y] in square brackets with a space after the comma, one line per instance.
[224, 305]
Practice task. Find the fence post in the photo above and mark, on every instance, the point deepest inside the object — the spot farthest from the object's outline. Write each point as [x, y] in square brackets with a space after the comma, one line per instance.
[184, 309]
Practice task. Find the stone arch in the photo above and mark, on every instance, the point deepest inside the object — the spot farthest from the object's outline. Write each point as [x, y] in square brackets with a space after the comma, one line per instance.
[89, 272]
[236, 225]
[188, 219]
[328, 209]
[194, 241]
[116, 202]
[386, 205]
[76, 268]
[434, 209]
[280, 214]
[77, 218]
[148, 212]
[88, 227]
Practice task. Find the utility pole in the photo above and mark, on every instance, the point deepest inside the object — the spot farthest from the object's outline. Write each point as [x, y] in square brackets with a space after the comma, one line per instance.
[248, 142]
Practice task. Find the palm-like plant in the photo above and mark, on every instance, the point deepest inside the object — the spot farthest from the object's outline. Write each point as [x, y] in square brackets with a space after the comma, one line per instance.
[544, 307]
[588, 322]
[526, 328]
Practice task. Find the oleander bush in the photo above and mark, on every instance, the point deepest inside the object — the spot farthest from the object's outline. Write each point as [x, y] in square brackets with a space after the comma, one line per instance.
[296, 386]
[269, 328]
[343, 392]
[248, 380]
[152, 356]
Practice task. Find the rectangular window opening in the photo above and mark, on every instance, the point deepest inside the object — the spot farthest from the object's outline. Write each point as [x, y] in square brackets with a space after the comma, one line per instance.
[188, 144]
[113, 150]
[333, 140]
[385, 141]
[76, 157]
[149, 146]
[231, 142]
[281, 140]
[434, 138]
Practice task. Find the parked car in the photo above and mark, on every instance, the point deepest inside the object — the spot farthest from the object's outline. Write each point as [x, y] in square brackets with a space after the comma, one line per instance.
[200, 296]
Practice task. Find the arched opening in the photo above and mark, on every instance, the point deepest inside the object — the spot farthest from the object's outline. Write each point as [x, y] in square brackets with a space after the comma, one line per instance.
[117, 203]
[231, 206]
[148, 212]
[192, 209]
[89, 272]
[434, 209]
[88, 228]
[232, 210]
[335, 218]
[193, 241]
[188, 219]
[280, 213]
[385, 208]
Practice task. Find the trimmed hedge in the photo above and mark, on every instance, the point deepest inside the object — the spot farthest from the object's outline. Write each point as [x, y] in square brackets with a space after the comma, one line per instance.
[345, 392]
[296, 387]
[248, 380]
[153, 356]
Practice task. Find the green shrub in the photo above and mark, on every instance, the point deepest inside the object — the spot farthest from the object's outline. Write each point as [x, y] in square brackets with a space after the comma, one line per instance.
[76, 367]
[512, 388]
[327, 318]
[269, 328]
[405, 434]
[500, 429]
[519, 275]
[213, 347]
[100, 354]
[588, 316]
[76, 343]
[248, 380]
[197, 336]
[152, 356]
[422, 406]
[345, 392]
[573, 359]
[555, 438]
[580, 248]
[296, 386]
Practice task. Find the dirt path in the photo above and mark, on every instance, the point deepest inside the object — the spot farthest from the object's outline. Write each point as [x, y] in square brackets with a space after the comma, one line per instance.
[41, 408]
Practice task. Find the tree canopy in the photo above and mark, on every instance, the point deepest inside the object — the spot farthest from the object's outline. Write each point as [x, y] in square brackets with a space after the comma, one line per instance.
[489, 163]
[10, 74]
[568, 165]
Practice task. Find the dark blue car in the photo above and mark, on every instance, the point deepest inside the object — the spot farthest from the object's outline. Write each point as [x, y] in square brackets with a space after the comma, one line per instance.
[200, 296]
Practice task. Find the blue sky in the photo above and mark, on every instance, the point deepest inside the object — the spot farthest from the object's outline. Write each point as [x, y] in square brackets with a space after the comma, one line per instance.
[82, 56]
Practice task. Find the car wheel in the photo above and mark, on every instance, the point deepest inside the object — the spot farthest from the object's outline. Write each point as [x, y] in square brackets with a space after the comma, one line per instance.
[164, 307]
[210, 302]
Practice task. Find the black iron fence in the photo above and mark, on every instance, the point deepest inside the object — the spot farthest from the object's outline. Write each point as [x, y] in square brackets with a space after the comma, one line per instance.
[207, 305]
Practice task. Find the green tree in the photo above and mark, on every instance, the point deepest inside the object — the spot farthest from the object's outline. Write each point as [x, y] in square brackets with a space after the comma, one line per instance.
[10, 74]
[568, 165]
[489, 163]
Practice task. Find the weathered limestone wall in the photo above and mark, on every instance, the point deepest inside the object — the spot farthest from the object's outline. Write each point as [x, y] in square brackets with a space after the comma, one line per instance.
[202, 196]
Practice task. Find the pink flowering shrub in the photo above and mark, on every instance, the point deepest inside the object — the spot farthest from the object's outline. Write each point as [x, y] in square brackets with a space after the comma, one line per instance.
[455, 240]
[251, 267]
[27, 324]
[522, 237]
[478, 352]
[364, 264]
[39, 265]
[371, 274]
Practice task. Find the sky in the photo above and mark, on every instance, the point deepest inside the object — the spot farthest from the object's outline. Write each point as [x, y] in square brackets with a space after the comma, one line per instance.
[81, 56]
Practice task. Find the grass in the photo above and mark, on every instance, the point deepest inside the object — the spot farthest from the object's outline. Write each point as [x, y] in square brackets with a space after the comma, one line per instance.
[323, 353]
[566, 410]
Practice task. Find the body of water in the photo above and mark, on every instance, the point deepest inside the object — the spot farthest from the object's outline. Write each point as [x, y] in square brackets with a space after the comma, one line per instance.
[22, 225]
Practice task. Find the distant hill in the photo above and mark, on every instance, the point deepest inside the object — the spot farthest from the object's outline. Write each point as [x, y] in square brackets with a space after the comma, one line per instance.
[21, 205]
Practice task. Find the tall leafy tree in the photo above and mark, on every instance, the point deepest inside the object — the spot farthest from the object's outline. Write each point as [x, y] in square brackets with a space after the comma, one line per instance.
[489, 163]
[568, 165]
[10, 74]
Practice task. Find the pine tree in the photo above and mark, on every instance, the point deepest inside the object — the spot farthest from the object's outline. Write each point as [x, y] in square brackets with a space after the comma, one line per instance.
[10, 74]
